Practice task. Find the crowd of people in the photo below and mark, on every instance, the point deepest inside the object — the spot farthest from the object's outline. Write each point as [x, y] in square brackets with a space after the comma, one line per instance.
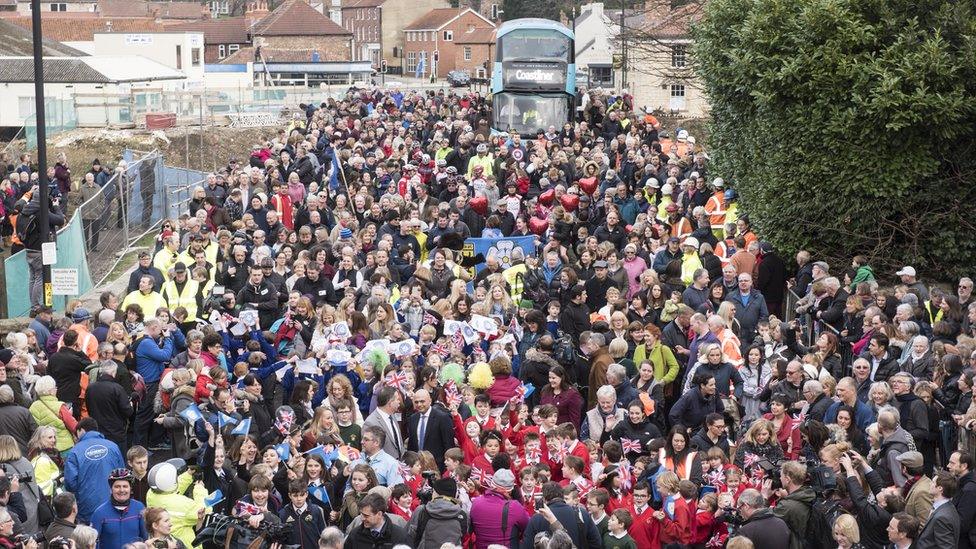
[313, 355]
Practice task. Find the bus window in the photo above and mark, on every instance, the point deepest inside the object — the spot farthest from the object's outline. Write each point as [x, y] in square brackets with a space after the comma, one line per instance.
[535, 44]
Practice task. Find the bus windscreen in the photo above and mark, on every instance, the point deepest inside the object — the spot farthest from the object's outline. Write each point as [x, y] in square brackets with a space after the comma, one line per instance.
[541, 44]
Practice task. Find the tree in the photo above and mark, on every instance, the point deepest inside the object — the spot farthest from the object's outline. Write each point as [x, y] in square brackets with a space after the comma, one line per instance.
[847, 126]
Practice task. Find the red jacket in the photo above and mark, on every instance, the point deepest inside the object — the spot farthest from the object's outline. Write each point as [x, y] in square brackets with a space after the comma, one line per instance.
[788, 436]
[644, 528]
[704, 527]
[680, 529]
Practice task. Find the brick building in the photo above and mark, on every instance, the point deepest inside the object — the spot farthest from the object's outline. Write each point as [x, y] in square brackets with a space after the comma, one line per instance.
[438, 31]
[296, 26]
[474, 52]
[221, 37]
[364, 19]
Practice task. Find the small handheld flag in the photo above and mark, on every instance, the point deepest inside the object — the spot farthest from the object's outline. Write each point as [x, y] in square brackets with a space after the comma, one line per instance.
[319, 492]
[396, 379]
[224, 419]
[192, 414]
[244, 509]
[630, 445]
[214, 498]
[284, 451]
[243, 427]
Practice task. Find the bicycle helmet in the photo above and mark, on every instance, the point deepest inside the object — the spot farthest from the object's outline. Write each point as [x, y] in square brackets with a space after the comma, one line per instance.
[120, 474]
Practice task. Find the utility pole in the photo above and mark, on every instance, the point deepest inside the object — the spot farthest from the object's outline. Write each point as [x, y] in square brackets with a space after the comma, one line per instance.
[44, 185]
[623, 47]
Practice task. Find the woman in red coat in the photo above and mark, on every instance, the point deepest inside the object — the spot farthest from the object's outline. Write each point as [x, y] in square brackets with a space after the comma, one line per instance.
[504, 386]
[786, 428]
[561, 394]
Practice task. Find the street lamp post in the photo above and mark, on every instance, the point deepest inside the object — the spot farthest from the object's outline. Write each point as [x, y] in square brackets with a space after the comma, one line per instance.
[43, 184]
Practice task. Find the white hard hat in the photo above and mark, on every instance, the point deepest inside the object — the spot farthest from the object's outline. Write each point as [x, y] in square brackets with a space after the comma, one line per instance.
[691, 241]
[718, 183]
[162, 477]
[667, 189]
[682, 135]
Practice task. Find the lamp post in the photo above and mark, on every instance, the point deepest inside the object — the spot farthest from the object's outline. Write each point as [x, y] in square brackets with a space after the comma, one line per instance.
[43, 183]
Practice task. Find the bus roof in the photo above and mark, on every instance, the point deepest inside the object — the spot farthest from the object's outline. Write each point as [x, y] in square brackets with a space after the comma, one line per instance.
[533, 23]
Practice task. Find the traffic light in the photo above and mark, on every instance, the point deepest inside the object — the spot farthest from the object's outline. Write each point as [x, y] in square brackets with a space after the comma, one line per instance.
[383, 66]
[437, 56]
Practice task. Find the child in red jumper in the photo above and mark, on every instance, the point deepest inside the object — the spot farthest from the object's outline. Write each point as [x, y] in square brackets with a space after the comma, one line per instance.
[676, 517]
[705, 523]
[401, 501]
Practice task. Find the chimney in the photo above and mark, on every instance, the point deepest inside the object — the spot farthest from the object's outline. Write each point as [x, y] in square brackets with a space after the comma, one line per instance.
[596, 8]
[256, 11]
[655, 10]
[335, 12]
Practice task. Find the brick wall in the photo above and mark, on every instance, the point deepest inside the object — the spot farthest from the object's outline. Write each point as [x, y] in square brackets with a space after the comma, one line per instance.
[330, 48]
[479, 54]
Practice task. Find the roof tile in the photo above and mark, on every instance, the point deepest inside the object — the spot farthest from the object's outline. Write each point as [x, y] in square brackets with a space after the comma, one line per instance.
[296, 18]
[434, 19]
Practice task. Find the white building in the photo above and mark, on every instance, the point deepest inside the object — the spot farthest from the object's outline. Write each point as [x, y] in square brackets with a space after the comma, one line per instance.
[90, 6]
[179, 50]
[94, 87]
[596, 35]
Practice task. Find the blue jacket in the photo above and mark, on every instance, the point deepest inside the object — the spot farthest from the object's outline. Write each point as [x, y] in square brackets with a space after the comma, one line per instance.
[151, 359]
[86, 471]
[863, 416]
[115, 528]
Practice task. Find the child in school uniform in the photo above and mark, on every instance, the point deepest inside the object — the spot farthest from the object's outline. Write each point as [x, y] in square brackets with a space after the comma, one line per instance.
[617, 537]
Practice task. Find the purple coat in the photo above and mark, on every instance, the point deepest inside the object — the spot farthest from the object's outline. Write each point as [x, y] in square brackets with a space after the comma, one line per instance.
[503, 389]
[486, 519]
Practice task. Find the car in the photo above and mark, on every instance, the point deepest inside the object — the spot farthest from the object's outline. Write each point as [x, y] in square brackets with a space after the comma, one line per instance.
[458, 78]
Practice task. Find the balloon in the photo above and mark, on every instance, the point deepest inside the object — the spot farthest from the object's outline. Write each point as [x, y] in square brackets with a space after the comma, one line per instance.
[479, 204]
[588, 185]
[538, 226]
[547, 197]
[569, 201]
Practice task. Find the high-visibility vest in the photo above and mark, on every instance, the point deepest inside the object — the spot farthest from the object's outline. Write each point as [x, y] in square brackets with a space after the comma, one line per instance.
[682, 228]
[164, 261]
[514, 275]
[187, 298]
[715, 208]
[148, 302]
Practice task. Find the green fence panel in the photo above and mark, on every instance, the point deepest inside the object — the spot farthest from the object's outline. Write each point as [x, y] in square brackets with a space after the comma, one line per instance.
[71, 255]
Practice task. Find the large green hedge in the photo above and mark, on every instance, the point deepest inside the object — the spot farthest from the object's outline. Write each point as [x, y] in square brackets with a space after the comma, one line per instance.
[848, 125]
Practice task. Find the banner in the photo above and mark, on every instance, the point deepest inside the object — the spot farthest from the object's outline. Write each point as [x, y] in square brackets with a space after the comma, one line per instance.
[499, 248]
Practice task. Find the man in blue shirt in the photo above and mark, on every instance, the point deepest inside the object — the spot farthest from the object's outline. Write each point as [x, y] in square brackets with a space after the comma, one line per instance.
[152, 354]
[383, 464]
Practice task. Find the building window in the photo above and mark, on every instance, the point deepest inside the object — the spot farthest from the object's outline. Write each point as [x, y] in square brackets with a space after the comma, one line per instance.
[467, 53]
[448, 36]
[233, 48]
[195, 57]
[179, 57]
[677, 97]
[494, 11]
[221, 51]
[59, 7]
[679, 56]
[601, 76]
[411, 61]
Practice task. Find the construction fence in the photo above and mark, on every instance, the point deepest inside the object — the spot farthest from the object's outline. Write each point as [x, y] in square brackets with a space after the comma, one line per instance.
[124, 213]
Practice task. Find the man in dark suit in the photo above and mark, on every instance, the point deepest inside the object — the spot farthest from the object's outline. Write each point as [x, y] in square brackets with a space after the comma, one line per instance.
[431, 428]
[902, 532]
[942, 529]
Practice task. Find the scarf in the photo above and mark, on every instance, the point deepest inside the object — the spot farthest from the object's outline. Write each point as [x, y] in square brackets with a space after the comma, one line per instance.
[120, 505]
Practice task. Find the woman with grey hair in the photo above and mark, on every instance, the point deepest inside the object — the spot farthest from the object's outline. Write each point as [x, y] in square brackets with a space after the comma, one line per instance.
[919, 362]
[49, 411]
[85, 537]
[879, 396]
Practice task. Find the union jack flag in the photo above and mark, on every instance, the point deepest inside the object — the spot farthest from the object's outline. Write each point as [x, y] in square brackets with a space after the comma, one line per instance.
[351, 453]
[583, 486]
[750, 460]
[482, 477]
[283, 423]
[514, 328]
[242, 508]
[458, 339]
[396, 379]
[533, 457]
[452, 399]
[630, 445]
[405, 471]
[520, 393]
[450, 386]
[429, 319]
[626, 475]
[440, 349]
[561, 452]
[714, 477]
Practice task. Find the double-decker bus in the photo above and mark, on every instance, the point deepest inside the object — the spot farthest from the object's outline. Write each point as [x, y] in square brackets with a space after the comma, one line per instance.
[533, 80]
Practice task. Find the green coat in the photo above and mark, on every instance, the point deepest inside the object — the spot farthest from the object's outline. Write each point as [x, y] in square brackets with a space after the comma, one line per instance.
[864, 274]
[665, 365]
[795, 509]
[45, 411]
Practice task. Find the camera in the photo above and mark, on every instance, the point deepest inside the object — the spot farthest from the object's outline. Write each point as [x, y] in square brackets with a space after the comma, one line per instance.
[732, 516]
[59, 542]
[22, 539]
[12, 473]
[425, 494]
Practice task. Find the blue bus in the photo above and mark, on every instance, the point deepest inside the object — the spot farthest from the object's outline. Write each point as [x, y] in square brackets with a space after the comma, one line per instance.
[533, 80]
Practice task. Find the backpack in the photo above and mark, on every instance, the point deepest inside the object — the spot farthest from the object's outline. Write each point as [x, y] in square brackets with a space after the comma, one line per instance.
[26, 224]
[820, 525]
[461, 518]
[564, 352]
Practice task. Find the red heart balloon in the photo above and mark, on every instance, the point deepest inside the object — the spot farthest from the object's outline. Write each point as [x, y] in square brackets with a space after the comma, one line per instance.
[547, 197]
[538, 226]
[569, 201]
[588, 185]
[479, 204]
